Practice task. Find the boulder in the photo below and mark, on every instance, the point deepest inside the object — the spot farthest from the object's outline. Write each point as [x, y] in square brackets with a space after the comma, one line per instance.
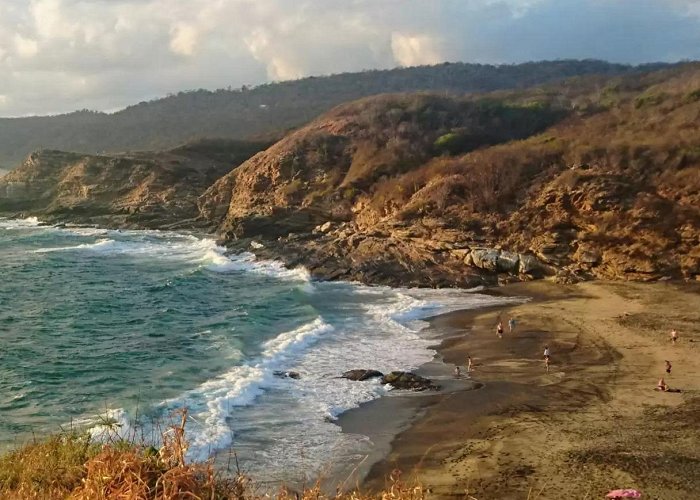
[508, 262]
[528, 264]
[408, 380]
[361, 374]
[286, 374]
[485, 258]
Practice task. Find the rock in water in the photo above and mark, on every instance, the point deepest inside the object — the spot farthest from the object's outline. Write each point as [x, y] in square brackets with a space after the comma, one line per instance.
[408, 380]
[361, 375]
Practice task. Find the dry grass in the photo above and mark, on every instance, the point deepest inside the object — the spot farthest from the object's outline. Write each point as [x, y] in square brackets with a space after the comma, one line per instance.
[74, 466]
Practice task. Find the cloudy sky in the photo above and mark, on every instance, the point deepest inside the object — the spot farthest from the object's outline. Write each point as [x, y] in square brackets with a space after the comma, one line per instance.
[62, 55]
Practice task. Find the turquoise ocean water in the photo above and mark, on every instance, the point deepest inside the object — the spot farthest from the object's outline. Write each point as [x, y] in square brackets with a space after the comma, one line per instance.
[133, 325]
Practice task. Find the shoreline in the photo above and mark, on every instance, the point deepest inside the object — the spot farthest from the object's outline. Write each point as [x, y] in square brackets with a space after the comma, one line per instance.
[578, 426]
[407, 407]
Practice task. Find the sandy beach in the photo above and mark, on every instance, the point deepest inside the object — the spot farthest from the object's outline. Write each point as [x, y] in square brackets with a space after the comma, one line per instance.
[594, 422]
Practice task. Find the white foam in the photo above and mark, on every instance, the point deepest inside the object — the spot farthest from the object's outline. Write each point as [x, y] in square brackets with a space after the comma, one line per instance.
[203, 252]
[212, 402]
[112, 424]
[246, 261]
[103, 245]
[29, 222]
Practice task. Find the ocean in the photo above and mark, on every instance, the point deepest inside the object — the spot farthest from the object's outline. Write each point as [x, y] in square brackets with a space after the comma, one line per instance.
[114, 331]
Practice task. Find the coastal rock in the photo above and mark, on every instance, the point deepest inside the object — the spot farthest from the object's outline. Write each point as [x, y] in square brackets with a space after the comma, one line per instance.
[286, 374]
[361, 375]
[508, 262]
[485, 258]
[157, 189]
[408, 380]
[528, 264]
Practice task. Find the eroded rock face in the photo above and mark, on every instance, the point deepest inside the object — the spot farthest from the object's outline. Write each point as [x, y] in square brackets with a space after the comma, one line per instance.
[408, 380]
[361, 375]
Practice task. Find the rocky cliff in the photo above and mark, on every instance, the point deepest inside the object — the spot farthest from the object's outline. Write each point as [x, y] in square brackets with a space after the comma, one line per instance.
[137, 190]
[597, 177]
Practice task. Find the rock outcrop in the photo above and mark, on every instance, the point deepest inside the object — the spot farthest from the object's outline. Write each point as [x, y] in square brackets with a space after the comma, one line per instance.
[361, 375]
[136, 189]
[410, 381]
[421, 190]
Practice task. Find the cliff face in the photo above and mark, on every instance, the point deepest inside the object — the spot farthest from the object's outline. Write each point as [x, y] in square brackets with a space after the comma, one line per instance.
[140, 190]
[595, 178]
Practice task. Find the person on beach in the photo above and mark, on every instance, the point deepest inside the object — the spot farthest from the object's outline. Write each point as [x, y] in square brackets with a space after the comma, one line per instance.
[511, 325]
[499, 330]
[674, 336]
[546, 352]
[546, 364]
[668, 367]
[457, 371]
[470, 366]
[661, 386]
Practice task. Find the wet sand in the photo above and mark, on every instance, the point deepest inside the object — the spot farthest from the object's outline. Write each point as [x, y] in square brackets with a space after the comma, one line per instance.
[591, 424]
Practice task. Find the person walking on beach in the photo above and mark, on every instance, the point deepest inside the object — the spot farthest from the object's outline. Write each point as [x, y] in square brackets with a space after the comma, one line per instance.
[511, 325]
[674, 336]
[546, 358]
[499, 329]
[668, 367]
[469, 364]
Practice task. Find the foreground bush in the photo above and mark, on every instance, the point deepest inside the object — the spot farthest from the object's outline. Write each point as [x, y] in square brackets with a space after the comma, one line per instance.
[73, 466]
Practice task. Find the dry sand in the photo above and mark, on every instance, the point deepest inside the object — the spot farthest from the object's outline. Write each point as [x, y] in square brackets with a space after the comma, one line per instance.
[593, 423]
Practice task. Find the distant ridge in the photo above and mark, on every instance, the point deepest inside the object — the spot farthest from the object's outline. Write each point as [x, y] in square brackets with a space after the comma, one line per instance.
[264, 111]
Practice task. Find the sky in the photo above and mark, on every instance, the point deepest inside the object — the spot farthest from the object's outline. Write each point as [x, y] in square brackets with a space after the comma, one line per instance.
[63, 55]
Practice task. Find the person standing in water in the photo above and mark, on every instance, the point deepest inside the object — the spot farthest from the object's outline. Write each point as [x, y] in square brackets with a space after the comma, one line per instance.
[511, 325]
[499, 329]
[674, 336]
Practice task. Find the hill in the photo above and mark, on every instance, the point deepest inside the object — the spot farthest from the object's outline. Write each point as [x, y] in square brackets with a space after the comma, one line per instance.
[128, 190]
[597, 177]
[264, 111]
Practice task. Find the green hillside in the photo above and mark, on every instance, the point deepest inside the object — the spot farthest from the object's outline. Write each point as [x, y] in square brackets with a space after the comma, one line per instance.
[260, 112]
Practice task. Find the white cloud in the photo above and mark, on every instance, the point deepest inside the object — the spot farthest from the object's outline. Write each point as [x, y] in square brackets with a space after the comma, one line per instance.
[59, 55]
[414, 50]
[25, 47]
[184, 39]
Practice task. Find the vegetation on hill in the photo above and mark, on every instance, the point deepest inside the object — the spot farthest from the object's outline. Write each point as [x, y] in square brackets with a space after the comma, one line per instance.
[600, 176]
[260, 112]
